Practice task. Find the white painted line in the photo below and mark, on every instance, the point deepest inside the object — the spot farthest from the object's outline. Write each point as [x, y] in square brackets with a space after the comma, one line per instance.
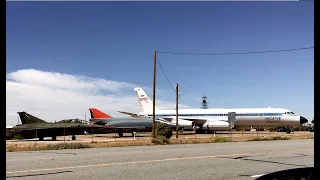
[254, 176]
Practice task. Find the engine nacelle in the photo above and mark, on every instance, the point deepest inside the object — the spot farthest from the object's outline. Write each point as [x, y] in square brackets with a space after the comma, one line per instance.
[185, 123]
[219, 125]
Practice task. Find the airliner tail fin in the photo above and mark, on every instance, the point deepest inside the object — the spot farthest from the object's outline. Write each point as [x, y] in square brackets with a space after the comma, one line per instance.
[144, 100]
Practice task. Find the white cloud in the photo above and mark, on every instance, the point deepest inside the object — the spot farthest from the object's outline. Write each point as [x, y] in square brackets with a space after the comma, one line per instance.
[55, 96]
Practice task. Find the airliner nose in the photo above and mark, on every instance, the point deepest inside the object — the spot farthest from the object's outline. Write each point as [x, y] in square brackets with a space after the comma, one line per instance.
[303, 120]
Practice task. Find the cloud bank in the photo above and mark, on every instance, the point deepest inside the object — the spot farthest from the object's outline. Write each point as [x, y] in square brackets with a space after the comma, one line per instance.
[55, 96]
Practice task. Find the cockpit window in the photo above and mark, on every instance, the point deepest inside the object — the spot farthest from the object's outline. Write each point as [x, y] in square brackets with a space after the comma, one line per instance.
[288, 112]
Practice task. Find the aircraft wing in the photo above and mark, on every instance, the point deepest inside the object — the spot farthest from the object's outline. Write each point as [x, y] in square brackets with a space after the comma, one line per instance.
[173, 124]
[129, 113]
[195, 120]
[124, 127]
[93, 121]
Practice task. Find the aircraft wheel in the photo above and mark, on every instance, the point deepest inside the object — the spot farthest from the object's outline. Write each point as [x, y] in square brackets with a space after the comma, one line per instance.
[288, 130]
[73, 137]
[120, 134]
[199, 131]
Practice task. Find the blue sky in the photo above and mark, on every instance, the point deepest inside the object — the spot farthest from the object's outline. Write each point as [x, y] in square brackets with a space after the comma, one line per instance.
[116, 40]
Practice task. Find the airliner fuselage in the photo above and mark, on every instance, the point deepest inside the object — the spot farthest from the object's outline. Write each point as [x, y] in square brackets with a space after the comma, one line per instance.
[217, 119]
[255, 117]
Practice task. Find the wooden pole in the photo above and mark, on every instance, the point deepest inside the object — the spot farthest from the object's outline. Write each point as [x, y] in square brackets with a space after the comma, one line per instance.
[177, 102]
[154, 95]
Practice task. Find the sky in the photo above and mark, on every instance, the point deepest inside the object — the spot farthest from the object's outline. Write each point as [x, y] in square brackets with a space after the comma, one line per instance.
[65, 57]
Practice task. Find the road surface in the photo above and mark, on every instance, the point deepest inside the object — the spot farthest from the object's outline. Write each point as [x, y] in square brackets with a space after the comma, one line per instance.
[235, 160]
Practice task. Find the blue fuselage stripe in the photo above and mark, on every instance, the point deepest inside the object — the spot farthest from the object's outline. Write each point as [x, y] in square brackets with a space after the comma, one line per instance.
[244, 114]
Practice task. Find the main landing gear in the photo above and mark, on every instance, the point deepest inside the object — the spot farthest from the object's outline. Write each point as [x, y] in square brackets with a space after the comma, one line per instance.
[204, 131]
[54, 138]
[120, 133]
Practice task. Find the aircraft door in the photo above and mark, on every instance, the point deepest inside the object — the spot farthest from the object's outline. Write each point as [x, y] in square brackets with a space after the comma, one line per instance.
[261, 115]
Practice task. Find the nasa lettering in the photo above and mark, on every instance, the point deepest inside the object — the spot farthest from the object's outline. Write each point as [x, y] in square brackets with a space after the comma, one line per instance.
[144, 99]
[273, 119]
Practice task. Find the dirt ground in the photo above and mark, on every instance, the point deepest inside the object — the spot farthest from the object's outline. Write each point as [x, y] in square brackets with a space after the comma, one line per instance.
[99, 138]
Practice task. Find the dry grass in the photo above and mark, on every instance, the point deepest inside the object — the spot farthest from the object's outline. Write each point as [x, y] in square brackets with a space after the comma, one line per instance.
[270, 138]
[38, 147]
[146, 141]
[121, 143]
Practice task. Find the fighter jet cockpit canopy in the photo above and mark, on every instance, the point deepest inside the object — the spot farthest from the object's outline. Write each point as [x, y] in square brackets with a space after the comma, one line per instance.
[73, 121]
[289, 112]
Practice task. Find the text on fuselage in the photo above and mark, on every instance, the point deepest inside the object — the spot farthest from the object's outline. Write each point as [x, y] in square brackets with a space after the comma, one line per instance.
[273, 119]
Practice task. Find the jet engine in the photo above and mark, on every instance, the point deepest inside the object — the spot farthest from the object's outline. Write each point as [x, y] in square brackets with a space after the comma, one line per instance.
[219, 125]
[185, 123]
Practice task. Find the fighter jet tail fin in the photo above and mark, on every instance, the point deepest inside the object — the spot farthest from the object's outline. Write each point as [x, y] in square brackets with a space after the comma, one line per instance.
[29, 119]
[95, 113]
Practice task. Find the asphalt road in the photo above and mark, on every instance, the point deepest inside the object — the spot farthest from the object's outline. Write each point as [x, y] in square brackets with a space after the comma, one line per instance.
[236, 160]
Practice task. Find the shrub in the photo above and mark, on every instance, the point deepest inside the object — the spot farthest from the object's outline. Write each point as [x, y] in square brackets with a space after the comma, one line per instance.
[161, 140]
[164, 130]
[17, 136]
[164, 133]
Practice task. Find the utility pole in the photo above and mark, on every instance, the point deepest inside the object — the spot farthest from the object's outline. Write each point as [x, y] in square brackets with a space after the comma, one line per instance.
[92, 133]
[64, 133]
[177, 102]
[154, 95]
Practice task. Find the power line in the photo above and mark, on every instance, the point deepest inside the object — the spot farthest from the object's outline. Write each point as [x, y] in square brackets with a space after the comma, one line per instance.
[165, 75]
[236, 53]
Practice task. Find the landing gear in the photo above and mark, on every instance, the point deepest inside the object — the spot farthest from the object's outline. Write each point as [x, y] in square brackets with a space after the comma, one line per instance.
[133, 130]
[54, 138]
[120, 133]
[73, 137]
[40, 138]
[289, 130]
[204, 131]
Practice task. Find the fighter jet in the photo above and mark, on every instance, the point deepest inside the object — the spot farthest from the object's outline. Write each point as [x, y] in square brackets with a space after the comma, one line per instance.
[38, 128]
[120, 123]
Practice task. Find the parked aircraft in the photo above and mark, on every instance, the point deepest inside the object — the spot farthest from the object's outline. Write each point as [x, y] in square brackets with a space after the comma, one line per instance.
[217, 119]
[35, 127]
[120, 123]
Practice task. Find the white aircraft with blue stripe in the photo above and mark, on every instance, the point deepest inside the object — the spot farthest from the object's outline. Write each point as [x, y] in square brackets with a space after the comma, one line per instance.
[217, 119]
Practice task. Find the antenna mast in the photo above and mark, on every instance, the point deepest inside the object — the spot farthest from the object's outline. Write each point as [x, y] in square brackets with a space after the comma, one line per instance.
[204, 102]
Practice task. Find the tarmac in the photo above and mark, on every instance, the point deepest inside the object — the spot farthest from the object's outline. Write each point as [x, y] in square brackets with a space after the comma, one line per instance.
[234, 160]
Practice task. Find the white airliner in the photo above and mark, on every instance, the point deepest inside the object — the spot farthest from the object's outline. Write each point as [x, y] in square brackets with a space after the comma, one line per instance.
[217, 119]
